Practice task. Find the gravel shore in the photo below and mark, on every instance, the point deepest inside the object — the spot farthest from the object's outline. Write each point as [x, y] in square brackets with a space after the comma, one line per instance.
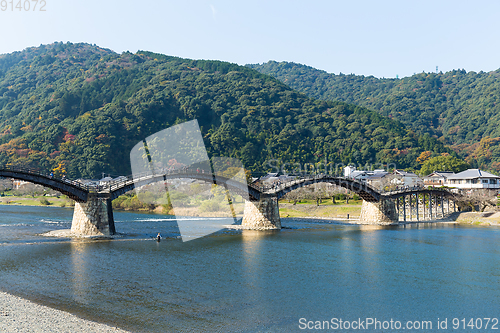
[20, 315]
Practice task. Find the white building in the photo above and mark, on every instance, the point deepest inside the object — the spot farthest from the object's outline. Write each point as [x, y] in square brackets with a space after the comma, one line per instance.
[348, 170]
[104, 181]
[17, 184]
[403, 178]
[437, 178]
[377, 179]
[362, 175]
[473, 178]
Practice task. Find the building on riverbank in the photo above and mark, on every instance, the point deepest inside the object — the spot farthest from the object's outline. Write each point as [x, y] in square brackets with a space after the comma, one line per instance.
[437, 178]
[473, 179]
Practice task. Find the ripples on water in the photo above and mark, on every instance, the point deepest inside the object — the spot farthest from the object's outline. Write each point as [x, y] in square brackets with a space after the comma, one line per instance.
[250, 281]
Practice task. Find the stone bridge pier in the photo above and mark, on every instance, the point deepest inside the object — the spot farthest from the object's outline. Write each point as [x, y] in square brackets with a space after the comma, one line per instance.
[382, 212]
[262, 214]
[93, 218]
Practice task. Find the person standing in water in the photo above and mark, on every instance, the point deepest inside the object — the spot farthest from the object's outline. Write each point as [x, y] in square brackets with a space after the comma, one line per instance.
[158, 237]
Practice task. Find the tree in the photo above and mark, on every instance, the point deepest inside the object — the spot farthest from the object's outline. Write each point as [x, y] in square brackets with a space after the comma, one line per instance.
[443, 163]
[60, 170]
[424, 156]
[30, 189]
[482, 198]
[5, 184]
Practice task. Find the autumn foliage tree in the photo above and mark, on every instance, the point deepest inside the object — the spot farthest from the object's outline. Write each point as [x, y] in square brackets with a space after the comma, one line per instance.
[424, 156]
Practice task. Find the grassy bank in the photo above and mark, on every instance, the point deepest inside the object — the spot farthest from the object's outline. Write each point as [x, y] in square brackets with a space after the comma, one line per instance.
[305, 208]
[36, 201]
[325, 209]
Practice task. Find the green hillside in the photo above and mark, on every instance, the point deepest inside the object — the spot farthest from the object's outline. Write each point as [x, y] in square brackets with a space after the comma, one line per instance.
[461, 108]
[78, 109]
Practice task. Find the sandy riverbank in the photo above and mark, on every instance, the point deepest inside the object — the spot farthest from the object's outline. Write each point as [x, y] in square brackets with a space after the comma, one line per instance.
[467, 218]
[479, 218]
[20, 315]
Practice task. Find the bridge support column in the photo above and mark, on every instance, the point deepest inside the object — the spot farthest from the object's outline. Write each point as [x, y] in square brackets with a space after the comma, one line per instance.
[442, 206]
[416, 204]
[425, 215]
[262, 214]
[398, 208]
[404, 209]
[93, 218]
[111, 218]
[410, 217]
[380, 213]
[430, 206]
[436, 206]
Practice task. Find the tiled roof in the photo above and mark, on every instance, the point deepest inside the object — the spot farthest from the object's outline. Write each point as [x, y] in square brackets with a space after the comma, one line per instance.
[377, 175]
[445, 174]
[404, 173]
[471, 174]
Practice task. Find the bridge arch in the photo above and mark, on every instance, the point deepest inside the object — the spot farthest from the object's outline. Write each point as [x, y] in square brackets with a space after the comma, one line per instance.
[434, 191]
[364, 190]
[72, 189]
[129, 183]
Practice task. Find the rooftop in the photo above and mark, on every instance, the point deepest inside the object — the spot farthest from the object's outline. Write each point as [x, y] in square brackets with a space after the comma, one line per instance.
[445, 174]
[472, 174]
[377, 175]
[404, 173]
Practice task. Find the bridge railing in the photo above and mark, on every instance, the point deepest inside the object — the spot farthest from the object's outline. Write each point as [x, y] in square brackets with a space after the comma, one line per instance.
[137, 178]
[404, 189]
[186, 172]
[36, 172]
[278, 186]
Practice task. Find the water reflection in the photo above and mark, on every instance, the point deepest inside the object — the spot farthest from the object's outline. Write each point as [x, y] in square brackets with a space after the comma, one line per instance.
[428, 225]
[372, 248]
[251, 244]
[255, 281]
[370, 227]
[80, 270]
[250, 238]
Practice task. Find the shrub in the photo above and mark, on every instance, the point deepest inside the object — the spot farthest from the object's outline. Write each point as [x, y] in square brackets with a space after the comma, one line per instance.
[210, 206]
[117, 203]
[133, 203]
[340, 196]
[45, 202]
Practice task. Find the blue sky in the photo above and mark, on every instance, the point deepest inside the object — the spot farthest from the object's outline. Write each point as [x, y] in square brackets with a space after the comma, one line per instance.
[380, 38]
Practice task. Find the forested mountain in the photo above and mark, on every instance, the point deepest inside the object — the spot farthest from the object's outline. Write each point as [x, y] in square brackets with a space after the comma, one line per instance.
[78, 109]
[461, 108]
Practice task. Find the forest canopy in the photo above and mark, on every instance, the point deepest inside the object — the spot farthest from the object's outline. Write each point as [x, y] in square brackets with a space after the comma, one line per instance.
[459, 108]
[78, 109]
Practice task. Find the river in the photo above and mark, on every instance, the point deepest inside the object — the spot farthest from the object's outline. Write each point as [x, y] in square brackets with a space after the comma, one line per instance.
[250, 281]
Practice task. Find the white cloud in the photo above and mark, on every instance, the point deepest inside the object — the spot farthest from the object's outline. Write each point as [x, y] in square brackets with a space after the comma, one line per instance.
[214, 12]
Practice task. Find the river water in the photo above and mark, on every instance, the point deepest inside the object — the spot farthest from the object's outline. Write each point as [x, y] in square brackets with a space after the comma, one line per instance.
[250, 281]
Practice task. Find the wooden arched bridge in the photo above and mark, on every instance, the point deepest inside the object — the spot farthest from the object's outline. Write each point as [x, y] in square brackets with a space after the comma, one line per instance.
[73, 189]
[93, 213]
